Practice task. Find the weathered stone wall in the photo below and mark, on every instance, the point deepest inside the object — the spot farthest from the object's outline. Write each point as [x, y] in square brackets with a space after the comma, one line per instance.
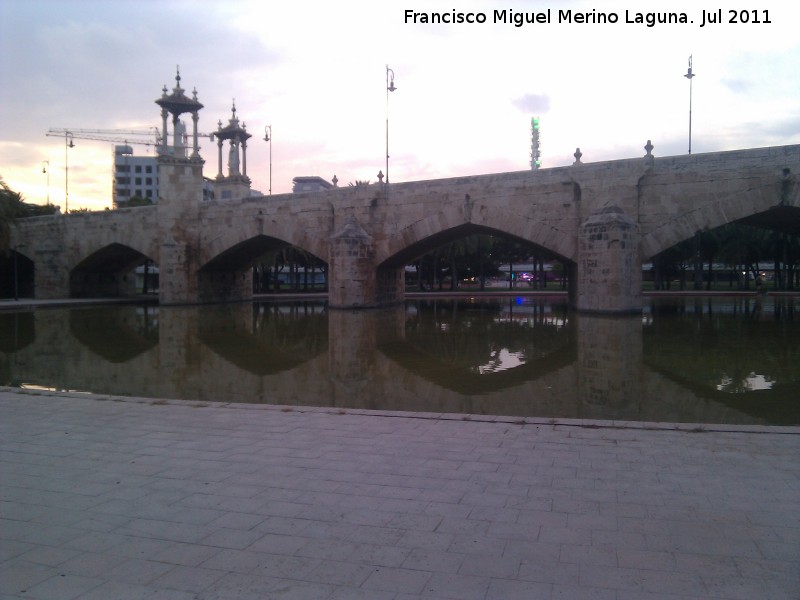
[205, 249]
[180, 195]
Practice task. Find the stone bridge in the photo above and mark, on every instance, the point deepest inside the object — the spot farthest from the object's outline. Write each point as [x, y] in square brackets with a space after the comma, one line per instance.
[602, 220]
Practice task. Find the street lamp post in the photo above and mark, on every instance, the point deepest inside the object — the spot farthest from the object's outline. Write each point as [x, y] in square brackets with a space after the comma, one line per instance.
[46, 169]
[67, 145]
[268, 138]
[689, 75]
[389, 88]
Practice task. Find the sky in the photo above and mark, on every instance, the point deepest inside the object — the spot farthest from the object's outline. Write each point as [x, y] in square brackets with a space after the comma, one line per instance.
[315, 71]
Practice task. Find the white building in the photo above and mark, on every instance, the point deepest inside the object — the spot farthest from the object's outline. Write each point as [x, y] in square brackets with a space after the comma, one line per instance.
[134, 176]
[310, 184]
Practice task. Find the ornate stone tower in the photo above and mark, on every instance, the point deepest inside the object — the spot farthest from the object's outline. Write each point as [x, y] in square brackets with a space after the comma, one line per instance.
[180, 193]
[176, 104]
[237, 183]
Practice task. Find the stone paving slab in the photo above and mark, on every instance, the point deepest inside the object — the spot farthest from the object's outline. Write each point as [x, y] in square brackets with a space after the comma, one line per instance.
[121, 498]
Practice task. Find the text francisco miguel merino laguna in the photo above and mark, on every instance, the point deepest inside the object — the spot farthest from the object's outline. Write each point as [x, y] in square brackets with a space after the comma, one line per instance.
[593, 17]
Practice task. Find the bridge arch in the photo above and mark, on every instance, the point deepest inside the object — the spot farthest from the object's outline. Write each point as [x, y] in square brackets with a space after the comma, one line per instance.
[228, 274]
[17, 273]
[766, 200]
[251, 234]
[455, 222]
[107, 271]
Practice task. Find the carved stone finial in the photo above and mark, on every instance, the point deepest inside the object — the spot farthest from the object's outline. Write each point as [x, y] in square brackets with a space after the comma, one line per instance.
[649, 148]
[380, 176]
[335, 181]
[577, 156]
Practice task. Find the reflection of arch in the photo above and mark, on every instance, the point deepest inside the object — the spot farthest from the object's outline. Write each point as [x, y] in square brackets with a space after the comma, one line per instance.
[106, 272]
[445, 375]
[270, 342]
[17, 330]
[777, 406]
[116, 334]
[448, 356]
[764, 347]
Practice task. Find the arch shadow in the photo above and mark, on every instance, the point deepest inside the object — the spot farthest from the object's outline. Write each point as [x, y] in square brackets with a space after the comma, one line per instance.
[270, 340]
[106, 272]
[458, 353]
[117, 334]
[415, 246]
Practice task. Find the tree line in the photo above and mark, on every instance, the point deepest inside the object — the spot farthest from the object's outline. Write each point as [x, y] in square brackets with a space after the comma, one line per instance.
[743, 252]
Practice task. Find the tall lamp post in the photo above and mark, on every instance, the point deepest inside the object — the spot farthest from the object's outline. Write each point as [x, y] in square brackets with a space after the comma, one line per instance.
[268, 138]
[689, 75]
[67, 145]
[389, 88]
[46, 169]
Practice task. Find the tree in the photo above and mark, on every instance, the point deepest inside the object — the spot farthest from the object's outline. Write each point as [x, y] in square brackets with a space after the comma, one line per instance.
[12, 207]
[138, 201]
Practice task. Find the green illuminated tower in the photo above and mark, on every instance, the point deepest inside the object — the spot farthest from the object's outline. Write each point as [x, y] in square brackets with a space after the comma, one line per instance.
[535, 154]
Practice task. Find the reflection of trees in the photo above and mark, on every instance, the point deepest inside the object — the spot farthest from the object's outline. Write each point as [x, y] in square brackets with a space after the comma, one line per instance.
[469, 335]
[272, 338]
[16, 332]
[719, 353]
[448, 342]
[118, 334]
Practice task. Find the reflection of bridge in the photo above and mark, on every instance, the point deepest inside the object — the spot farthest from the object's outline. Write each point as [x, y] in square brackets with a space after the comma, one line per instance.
[352, 359]
[601, 219]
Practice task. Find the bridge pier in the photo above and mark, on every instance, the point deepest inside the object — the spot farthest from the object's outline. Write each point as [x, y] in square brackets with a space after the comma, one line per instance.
[609, 273]
[181, 191]
[354, 280]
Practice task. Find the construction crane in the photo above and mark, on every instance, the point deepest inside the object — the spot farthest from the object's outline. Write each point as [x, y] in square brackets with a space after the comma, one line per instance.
[118, 136]
[114, 136]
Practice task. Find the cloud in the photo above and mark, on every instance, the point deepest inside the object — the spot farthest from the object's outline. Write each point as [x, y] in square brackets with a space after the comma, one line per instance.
[533, 103]
[738, 86]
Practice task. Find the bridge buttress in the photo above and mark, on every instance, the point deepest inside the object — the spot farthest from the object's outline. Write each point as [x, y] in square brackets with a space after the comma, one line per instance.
[181, 191]
[353, 278]
[609, 271]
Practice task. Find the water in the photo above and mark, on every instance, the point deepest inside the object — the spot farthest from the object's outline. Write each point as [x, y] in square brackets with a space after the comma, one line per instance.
[697, 359]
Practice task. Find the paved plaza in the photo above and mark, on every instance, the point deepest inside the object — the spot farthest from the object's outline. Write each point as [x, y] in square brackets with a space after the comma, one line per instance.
[108, 498]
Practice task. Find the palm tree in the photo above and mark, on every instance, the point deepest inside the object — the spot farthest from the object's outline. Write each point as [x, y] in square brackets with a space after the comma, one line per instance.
[11, 208]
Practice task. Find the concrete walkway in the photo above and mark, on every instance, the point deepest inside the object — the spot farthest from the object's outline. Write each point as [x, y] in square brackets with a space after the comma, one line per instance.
[105, 498]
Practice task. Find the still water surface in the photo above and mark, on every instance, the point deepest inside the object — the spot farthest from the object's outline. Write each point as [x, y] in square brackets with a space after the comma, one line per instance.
[697, 359]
